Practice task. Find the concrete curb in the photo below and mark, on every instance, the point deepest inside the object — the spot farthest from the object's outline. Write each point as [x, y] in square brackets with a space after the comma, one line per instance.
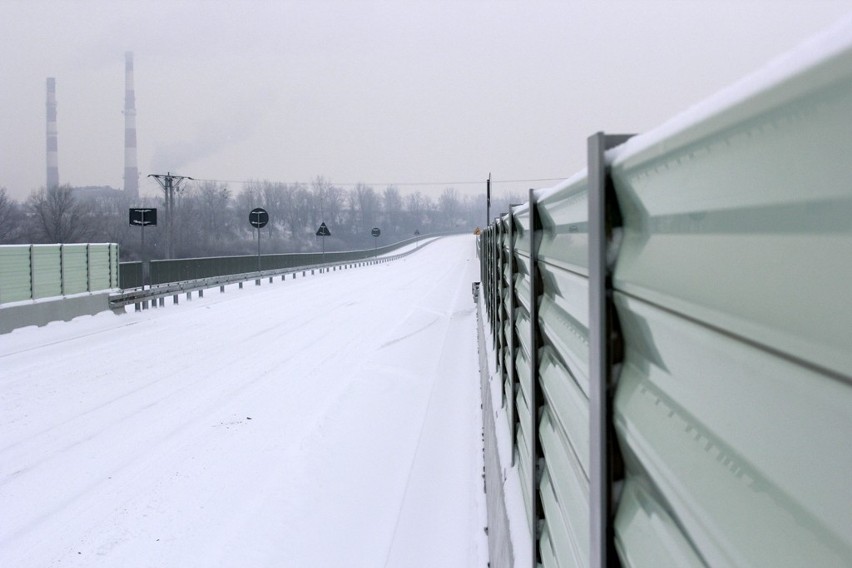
[43, 311]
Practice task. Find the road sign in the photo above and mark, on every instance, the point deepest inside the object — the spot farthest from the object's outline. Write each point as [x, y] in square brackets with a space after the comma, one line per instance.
[376, 232]
[143, 217]
[416, 233]
[258, 218]
[323, 231]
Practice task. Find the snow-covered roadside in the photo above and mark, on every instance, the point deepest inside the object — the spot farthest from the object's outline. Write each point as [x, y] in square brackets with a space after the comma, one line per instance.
[512, 490]
[327, 421]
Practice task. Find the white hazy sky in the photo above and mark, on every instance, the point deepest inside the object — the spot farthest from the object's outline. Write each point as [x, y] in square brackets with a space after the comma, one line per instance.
[367, 91]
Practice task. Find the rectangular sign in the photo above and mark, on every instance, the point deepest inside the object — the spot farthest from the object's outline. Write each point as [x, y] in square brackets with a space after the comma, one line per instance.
[143, 216]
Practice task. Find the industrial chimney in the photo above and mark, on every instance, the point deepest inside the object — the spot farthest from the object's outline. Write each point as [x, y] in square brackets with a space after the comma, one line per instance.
[131, 172]
[52, 153]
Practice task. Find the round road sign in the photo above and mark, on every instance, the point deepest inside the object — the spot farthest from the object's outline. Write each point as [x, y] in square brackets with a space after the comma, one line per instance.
[258, 218]
[376, 232]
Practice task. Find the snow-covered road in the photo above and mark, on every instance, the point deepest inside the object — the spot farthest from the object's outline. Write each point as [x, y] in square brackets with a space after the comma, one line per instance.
[332, 420]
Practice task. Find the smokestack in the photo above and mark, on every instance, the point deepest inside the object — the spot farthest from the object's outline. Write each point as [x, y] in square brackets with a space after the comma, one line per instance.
[131, 172]
[52, 152]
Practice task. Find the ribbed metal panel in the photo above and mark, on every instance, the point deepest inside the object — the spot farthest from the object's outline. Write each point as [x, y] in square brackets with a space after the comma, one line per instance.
[569, 407]
[723, 333]
[565, 325]
[548, 554]
[524, 434]
[747, 451]
[32, 272]
[733, 408]
[15, 283]
[564, 217]
[522, 452]
[562, 547]
[46, 266]
[564, 370]
[744, 220]
[564, 494]
[647, 535]
[521, 214]
[99, 266]
[75, 269]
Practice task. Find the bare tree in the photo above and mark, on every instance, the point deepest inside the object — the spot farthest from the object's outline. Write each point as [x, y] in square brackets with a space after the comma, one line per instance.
[58, 216]
[298, 212]
[335, 202]
[214, 199]
[274, 201]
[10, 224]
[417, 207]
[365, 208]
[449, 206]
[392, 207]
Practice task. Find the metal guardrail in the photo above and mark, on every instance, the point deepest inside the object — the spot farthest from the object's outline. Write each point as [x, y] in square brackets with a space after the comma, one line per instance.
[671, 329]
[140, 297]
[179, 270]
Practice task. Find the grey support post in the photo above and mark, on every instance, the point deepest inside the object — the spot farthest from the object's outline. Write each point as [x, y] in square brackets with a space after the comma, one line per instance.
[512, 340]
[604, 352]
[535, 458]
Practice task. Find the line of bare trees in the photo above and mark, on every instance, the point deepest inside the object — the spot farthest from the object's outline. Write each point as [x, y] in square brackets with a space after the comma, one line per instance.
[212, 220]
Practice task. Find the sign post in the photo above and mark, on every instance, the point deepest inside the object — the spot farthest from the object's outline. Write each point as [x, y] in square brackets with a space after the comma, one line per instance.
[323, 232]
[417, 240]
[376, 232]
[142, 217]
[258, 218]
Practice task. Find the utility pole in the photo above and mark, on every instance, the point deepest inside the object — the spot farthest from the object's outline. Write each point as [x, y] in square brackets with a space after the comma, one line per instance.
[170, 184]
[488, 200]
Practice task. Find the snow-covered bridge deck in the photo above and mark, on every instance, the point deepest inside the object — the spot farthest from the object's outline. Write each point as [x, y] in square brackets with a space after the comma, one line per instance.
[326, 421]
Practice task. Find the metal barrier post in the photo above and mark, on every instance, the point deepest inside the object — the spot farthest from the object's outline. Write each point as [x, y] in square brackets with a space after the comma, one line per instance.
[603, 353]
[493, 313]
[512, 346]
[535, 458]
[499, 338]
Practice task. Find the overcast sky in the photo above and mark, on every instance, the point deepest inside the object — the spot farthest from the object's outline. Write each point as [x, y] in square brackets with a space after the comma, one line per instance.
[367, 91]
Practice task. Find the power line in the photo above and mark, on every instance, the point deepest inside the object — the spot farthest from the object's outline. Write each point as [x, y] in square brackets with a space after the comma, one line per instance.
[399, 184]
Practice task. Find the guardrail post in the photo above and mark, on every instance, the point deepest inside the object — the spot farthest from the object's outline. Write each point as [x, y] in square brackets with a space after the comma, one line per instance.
[489, 259]
[512, 346]
[498, 315]
[492, 283]
[535, 458]
[32, 273]
[88, 268]
[604, 351]
[62, 269]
